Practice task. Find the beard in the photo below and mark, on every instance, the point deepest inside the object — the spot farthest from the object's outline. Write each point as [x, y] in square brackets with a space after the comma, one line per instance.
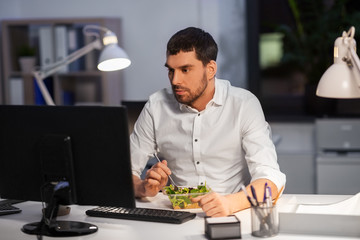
[190, 97]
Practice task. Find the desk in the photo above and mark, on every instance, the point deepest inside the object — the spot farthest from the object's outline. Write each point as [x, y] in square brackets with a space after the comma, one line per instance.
[115, 229]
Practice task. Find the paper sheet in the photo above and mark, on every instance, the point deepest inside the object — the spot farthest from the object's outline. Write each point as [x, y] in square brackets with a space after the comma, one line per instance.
[350, 206]
[288, 204]
[229, 219]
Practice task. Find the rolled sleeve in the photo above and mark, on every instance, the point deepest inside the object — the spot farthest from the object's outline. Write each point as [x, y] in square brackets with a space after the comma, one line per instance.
[259, 149]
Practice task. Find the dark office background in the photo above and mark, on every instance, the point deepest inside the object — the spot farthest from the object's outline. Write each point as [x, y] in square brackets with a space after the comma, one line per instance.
[286, 86]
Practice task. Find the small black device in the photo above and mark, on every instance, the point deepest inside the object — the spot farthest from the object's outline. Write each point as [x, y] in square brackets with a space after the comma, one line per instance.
[142, 214]
[6, 206]
[6, 209]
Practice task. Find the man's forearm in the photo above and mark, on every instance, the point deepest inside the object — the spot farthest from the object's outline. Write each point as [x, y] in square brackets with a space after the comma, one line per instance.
[239, 201]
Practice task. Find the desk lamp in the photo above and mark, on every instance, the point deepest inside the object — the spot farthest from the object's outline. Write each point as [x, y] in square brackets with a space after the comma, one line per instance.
[342, 79]
[112, 57]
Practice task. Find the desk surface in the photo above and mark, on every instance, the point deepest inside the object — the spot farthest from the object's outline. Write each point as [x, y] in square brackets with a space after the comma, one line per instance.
[111, 229]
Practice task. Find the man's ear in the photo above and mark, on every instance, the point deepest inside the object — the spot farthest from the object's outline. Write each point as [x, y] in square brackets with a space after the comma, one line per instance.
[211, 69]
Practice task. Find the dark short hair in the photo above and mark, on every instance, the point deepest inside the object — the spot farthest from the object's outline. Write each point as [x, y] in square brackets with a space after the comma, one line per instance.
[190, 39]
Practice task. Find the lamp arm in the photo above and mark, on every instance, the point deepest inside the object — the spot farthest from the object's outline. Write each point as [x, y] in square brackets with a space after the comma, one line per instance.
[357, 62]
[42, 74]
[70, 58]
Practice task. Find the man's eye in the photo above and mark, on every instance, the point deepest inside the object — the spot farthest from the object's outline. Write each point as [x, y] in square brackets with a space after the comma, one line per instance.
[185, 70]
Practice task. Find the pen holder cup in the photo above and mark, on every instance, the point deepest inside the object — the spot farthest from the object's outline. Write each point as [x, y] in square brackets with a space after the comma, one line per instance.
[264, 221]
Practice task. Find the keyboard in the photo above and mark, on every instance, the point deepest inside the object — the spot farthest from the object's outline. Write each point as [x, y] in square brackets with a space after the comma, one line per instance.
[7, 208]
[142, 214]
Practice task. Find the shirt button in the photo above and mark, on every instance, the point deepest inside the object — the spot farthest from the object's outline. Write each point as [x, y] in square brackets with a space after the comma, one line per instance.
[198, 114]
[197, 162]
[196, 140]
[202, 183]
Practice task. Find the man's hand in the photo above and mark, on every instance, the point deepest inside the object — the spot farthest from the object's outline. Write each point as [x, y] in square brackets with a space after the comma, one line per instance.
[155, 179]
[214, 204]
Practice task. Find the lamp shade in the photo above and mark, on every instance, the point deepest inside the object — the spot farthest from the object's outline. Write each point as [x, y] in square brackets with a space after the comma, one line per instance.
[113, 58]
[339, 81]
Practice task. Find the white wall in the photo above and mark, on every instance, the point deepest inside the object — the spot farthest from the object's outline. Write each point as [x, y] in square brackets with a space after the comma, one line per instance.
[147, 25]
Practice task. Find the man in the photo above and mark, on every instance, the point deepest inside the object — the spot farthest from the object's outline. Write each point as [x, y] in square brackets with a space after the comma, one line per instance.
[207, 132]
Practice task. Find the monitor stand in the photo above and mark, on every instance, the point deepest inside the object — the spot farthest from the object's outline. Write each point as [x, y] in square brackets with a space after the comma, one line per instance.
[49, 226]
[59, 229]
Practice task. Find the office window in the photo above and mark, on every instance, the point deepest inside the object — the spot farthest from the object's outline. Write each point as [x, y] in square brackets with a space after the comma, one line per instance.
[290, 47]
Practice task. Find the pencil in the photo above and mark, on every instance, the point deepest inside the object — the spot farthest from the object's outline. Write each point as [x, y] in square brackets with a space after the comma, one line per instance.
[277, 197]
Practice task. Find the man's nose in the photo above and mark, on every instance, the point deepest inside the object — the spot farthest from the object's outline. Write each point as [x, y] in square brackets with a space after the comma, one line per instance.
[176, 78]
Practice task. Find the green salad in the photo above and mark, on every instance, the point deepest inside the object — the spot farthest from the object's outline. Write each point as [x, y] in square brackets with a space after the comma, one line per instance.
[180, 197]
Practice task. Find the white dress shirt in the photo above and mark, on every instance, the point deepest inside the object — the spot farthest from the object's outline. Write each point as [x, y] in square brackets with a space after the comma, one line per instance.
[225, 145]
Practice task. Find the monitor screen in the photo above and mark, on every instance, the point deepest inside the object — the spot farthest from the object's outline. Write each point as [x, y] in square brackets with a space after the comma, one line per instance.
[100, 150]
[91, 146]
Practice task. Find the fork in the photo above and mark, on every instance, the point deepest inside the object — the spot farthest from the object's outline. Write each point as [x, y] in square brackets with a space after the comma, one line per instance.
[171, 180]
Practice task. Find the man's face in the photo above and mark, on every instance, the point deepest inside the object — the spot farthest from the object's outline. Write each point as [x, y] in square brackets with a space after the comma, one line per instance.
[187, 76]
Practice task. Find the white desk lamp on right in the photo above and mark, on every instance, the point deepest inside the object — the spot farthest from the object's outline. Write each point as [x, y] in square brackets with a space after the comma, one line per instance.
[342, 79]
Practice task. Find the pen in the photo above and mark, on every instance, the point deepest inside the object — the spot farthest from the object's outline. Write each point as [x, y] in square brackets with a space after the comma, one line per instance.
[250, 199]
[266, 185]
[254, 194]
[268, 199]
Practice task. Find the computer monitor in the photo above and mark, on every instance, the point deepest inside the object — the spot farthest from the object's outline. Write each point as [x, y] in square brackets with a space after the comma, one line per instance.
[80, 152]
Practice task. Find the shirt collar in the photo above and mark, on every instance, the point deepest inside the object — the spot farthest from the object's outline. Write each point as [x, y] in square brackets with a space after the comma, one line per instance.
[218, 98]
[220, 93]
